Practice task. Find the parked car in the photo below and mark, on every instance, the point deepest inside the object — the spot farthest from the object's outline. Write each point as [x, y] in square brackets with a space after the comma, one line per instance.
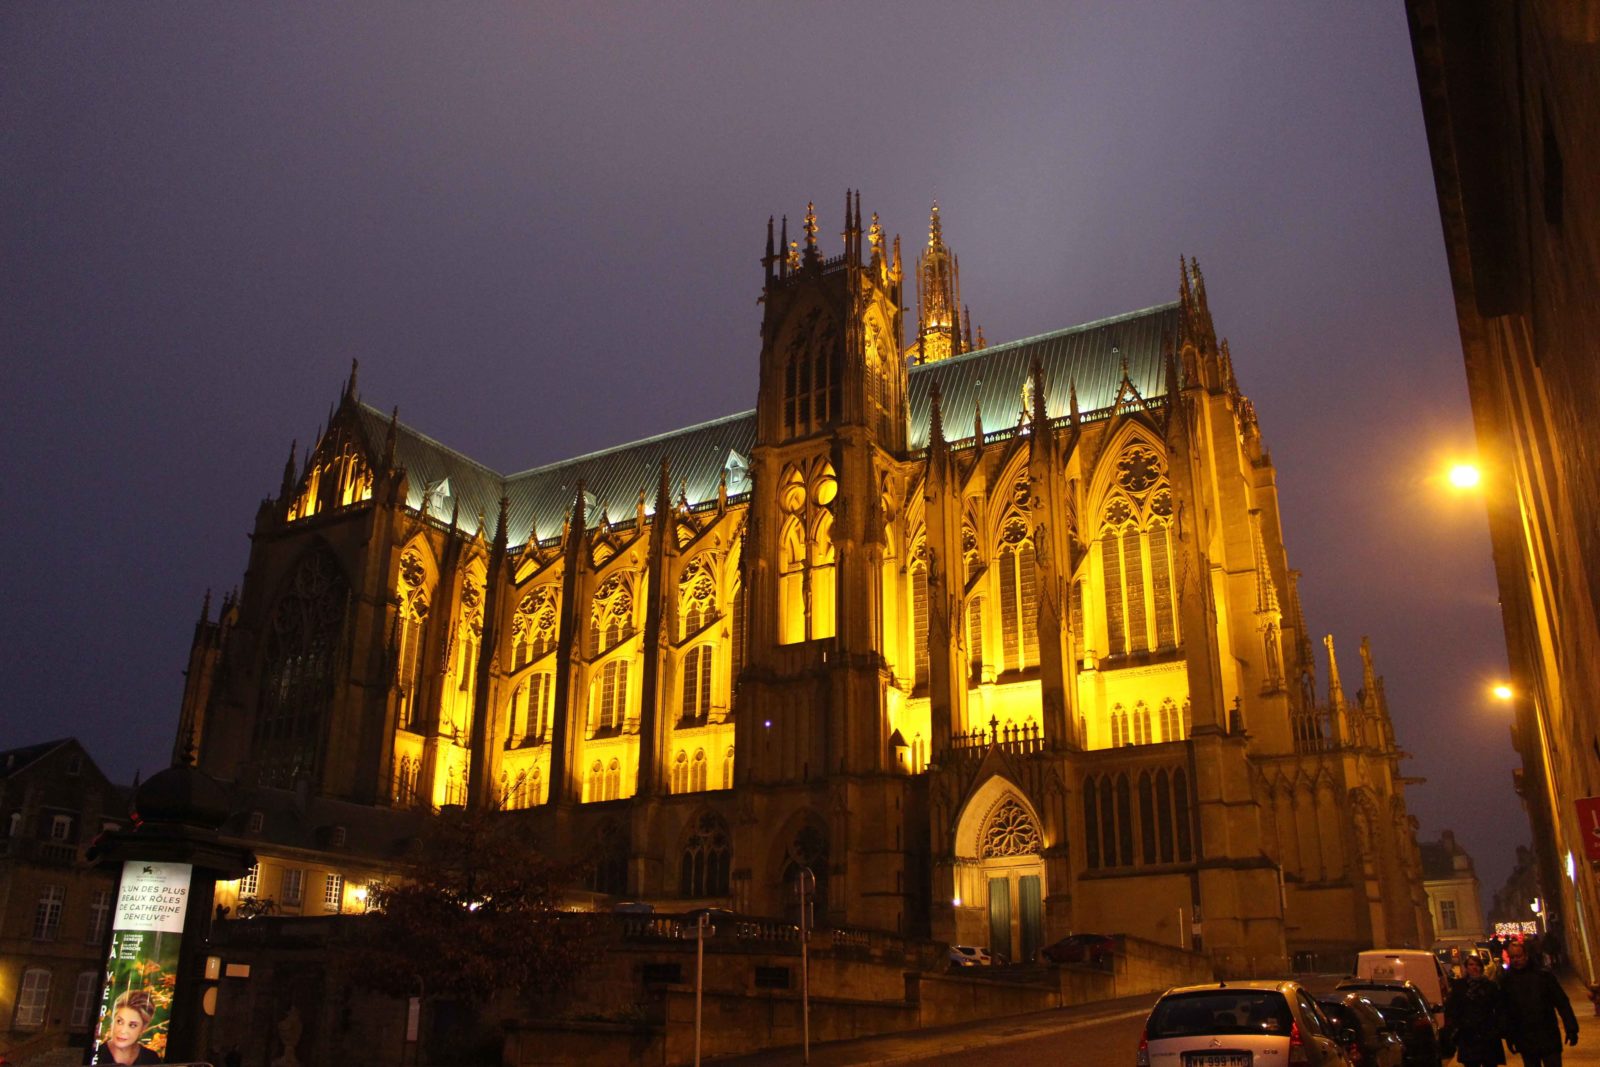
[1079, 948]
[1403, 1006]
[970, 956]
[1376, 1043]
[1237, 1024]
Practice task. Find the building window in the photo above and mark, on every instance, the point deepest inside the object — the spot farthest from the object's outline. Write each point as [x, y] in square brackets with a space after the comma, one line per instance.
[680, 772]
[33, 998]
[1019, 597]
[1141, 724]
[83, 1001]
[294, 884]
[333, 892]
[703, 871]
[611, 707]
[257, 821]
[99, 913]
[727, 769]
[697, 685]
[1159, 807]
[806, 563]
[614, 780]
[47, 913]
[60, 827]
[250, 882]
[810, 388]
[298, 676]
[1447, 915]
[597, 781]
[1171, 722]
[610, 615]
[533, 628]
[1136, 560]
[975, 637]
[405, 781]
[1119, 726]
[919, 618]
[697, 596]
[697, 771]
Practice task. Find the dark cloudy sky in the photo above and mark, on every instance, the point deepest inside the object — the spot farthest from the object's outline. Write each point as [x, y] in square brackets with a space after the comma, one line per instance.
[538, 227]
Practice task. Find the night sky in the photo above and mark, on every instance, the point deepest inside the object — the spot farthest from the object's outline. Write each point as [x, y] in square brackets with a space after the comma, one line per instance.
[539, 227]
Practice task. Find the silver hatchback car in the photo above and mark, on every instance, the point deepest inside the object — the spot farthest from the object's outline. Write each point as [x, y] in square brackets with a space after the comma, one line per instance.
[1239, 1024]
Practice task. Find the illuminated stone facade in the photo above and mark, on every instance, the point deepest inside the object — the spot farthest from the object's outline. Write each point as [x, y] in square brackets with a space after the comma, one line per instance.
[1000, 641]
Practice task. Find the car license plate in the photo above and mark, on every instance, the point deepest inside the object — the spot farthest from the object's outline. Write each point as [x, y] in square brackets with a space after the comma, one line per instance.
[1216, 1059]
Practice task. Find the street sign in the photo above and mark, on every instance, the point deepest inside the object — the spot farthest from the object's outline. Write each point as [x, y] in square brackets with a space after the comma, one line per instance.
[1589, 825]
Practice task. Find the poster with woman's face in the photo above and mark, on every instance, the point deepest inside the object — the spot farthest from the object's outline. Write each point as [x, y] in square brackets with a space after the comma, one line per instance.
[142, 972]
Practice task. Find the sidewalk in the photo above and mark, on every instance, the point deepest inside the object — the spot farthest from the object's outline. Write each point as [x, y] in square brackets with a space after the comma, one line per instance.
[921, 1044]
[1586, 1053]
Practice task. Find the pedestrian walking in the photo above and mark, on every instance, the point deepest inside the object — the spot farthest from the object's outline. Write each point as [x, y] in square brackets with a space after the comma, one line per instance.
[1533, 1000]
[1475, 1016]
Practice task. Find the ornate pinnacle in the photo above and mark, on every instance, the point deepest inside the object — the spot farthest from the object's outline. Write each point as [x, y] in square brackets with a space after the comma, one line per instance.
[935, 230]
[875, 237]
[811, 230]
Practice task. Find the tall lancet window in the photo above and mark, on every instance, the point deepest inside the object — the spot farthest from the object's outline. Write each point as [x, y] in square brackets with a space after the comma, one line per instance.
[810, 375]
[807, 578]
[302, 643]
[1135, 546]
[413, 592]
[919, 612]
[1019, 598]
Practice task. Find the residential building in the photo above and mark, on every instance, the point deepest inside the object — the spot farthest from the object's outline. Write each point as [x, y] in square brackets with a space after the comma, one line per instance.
[1511, 102]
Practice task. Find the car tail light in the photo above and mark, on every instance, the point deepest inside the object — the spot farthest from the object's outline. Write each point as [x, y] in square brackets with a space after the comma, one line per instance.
[1144, 1048]
[1297, 1046]
[1357, 1057]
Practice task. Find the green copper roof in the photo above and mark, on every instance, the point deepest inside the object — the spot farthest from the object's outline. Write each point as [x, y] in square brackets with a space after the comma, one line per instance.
[1092, 358]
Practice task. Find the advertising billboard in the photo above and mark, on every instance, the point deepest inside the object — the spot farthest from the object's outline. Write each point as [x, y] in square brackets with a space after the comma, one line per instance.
[142, 971]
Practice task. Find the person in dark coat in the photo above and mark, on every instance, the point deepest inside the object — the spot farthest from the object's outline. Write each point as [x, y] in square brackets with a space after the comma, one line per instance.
[1475, 1016]
[1534, 998]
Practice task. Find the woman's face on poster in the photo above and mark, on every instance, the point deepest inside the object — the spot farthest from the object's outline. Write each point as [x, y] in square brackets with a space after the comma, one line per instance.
[126, 1027]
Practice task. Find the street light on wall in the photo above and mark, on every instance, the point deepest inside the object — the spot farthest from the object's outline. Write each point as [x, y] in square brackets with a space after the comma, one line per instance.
[1465, 475]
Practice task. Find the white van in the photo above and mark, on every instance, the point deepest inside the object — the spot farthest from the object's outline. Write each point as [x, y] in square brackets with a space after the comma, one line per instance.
[1417, 966]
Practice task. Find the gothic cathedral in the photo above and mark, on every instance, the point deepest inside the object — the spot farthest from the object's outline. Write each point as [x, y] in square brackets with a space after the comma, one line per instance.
[1000, 641]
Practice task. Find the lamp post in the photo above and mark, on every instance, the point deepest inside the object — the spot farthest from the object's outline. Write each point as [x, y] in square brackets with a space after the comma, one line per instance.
[807, 884]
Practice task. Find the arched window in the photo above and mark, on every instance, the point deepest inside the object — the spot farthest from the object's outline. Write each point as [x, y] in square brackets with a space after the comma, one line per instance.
[597, 781]
[919, 615]
[810, 385]
[609, 873]
[533, 627]
[696, 704]
[1124, 821]
[1180, 796]
[412, 592]
[614, 779]
[1141, 724]
[1019, 610]
[806, 592]
[1091, 823]
[1108, 823]
[1164, 815]
[738, 636]
[697, 771]
[1147, 818]
[1136, 556]
[697, 596]
[303, 634]
[541, 692]
[611, 707]
[1119, 726]
[727, 769]
[680, 772]
[809, 849]
[703, 871]
[611, 615]
[975, 637]
[1171, 724]
[535, 787]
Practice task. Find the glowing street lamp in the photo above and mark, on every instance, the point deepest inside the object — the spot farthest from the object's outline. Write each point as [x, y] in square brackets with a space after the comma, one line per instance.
[1465, 476]
[1502, 692]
